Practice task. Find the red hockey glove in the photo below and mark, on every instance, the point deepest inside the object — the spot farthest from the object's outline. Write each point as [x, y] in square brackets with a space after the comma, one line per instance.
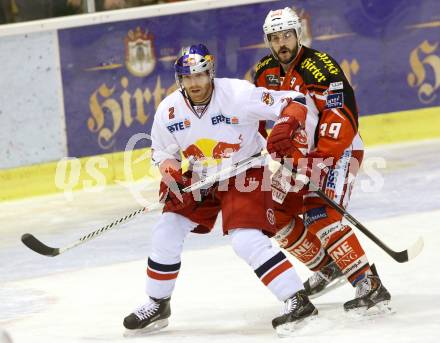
[280, 138]
[171, 186]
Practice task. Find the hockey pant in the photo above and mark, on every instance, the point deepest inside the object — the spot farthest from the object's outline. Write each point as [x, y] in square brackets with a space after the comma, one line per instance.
[268, 262]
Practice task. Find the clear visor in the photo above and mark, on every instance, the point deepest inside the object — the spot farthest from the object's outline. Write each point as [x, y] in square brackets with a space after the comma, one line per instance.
[278, 37]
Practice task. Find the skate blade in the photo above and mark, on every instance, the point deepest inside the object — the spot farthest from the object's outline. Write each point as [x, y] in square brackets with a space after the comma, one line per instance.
[295, 328]
[148, 330]
[380, 309]
[336, 283]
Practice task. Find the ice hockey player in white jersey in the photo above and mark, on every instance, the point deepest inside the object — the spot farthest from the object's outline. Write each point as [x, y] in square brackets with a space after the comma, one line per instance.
[214, 122]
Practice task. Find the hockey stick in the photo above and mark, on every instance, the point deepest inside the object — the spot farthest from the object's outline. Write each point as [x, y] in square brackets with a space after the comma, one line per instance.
[39, 247]
[399, 256]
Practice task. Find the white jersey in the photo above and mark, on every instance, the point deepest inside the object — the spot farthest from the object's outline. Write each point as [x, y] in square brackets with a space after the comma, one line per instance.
[225, 129]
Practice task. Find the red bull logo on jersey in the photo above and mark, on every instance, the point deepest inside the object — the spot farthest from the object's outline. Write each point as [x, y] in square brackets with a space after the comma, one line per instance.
[193, 152]
[220, 118]
[224, 150]
[210, 151]
[179, 126]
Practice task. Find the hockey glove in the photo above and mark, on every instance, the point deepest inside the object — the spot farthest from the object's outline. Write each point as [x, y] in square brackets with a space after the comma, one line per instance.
[171, 186]
[280, 141]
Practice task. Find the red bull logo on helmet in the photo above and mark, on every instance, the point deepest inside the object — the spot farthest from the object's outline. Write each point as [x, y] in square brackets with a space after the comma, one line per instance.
[189, 62]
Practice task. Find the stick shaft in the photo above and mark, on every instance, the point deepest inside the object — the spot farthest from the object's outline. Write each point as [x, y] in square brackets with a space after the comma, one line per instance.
[399, 256]
[36, 245]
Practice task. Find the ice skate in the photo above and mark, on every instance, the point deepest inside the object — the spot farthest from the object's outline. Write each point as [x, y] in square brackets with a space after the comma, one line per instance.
[372, 297]
[148, 318]
[323, 281]
[297, 311]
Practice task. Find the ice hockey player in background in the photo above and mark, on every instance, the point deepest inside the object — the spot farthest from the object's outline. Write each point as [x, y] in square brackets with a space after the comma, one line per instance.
[330, 133]
[214, 122]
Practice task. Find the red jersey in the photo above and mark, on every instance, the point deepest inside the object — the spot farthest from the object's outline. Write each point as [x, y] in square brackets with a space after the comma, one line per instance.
[332, 119]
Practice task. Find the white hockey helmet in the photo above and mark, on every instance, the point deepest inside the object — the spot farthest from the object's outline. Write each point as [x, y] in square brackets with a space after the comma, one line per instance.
[281, 20]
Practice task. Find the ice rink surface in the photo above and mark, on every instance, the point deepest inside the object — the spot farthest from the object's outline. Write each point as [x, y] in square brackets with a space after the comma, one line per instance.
[84, 294]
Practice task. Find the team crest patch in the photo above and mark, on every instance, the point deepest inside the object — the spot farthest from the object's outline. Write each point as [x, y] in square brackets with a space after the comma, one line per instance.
[335, 100]
[270, 216]
[267, 98]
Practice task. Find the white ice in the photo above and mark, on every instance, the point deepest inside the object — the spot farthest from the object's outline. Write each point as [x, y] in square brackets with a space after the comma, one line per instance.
[83, 295]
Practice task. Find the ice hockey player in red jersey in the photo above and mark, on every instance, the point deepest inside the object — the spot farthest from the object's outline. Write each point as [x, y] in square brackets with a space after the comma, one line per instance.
[327, 148]
[214, 122]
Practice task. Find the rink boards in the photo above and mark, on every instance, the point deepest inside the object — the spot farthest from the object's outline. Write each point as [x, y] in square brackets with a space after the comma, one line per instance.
[41, 178]
[96, 96]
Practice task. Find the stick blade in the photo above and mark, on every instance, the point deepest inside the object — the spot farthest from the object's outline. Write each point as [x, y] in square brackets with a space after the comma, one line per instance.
[34, 244]
[416, 248]
[412, 252]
